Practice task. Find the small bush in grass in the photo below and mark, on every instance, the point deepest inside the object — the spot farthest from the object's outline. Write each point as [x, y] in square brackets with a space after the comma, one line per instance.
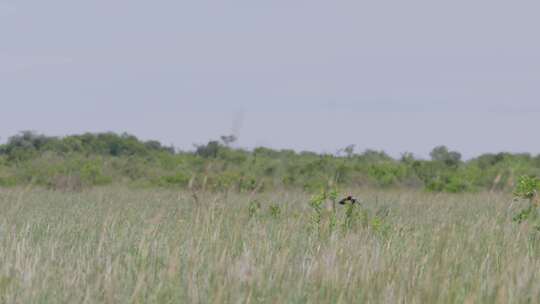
[348, 217]
[332, 195]
[380, 226]
[527, 188]
[316, 203]
[179, 179]
[523, 215]
[275, 211]
[254, 208]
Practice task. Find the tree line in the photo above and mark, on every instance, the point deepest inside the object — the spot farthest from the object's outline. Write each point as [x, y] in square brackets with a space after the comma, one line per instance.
[94, 159]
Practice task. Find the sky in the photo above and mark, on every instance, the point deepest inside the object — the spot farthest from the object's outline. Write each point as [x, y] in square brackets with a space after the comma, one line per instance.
[399, 76]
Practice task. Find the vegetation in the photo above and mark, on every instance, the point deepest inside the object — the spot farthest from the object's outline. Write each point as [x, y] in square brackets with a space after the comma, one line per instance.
[527, 188]
[120, 245]
[80, 161]
[157, 225]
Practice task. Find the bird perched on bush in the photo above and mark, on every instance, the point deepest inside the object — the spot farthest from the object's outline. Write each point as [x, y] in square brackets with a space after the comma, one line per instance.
[350, 199]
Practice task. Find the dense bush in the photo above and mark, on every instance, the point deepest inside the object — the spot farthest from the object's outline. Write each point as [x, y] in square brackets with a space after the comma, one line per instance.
[79, 161]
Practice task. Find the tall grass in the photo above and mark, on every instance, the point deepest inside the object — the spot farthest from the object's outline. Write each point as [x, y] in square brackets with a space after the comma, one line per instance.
[115, 245]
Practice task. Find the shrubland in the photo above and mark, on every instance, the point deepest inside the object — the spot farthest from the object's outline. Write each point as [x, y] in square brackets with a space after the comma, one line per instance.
[81, 161]
[108, 218]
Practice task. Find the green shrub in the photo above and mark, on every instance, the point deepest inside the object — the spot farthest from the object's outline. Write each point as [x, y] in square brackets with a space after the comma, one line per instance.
[92, 173]
[526, 187]
[254, 208]
[8, 181]
[105, 158]
[178, 179]
[275, 210]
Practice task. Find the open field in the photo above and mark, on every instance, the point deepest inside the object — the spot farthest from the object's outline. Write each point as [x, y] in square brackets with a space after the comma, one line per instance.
[116, 245]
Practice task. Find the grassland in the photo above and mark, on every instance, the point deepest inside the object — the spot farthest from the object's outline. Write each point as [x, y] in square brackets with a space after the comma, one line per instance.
[118, 245]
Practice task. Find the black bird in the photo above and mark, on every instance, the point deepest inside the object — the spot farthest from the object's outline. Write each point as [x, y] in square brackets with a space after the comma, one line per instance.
[348, 199]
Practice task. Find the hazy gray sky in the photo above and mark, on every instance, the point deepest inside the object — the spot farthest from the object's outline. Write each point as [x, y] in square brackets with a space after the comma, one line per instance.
[316, 75]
